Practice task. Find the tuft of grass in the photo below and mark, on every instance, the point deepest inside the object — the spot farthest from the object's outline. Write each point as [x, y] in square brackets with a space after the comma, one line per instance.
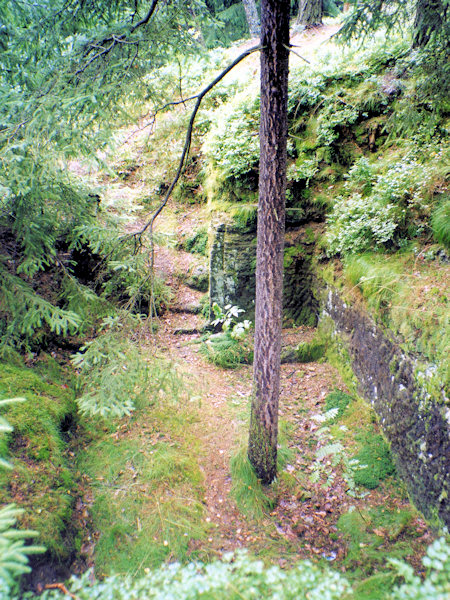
[247, 490]
[226, 352]
[376, 457]
[440, 223]
[41, 482]
[252, 498]
[310, 351]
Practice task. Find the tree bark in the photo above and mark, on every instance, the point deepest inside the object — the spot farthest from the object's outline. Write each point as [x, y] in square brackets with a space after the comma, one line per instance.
[262, 448]
[430, 18]
[251, 12]
[310, 13]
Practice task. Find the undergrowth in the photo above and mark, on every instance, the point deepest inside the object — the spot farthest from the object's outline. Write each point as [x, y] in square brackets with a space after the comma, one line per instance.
[239, 576]
[148, 465]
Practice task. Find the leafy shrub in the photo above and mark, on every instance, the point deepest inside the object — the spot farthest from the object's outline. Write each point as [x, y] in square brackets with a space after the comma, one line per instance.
[436, 585]
[233, 143]
[236, 577]
[395, 206]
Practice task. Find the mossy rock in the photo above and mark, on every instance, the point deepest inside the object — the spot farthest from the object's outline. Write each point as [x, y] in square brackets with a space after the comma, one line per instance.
[41, 480]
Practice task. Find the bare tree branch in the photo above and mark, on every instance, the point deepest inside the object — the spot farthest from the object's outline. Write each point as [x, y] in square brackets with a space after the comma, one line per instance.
[147, 17]
[181, 165]
[187, 144]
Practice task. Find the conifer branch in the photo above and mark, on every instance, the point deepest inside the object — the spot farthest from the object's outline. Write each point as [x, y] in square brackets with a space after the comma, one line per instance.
[113, 41]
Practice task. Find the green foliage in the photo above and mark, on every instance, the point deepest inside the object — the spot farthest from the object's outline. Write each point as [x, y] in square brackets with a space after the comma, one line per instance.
[332, 453]
[232, 347]
[239, 576]
[146, 482]
[197, 243]
[250, 497]
[337, 399]
[407, 293]
[395, 206]
[235, 577]
[14, 552]
[115, 377]
[231, 23]
[93, 64]
[42, 478]
[436, 585]
[440, 223]
[375, 461]
[225, 351]
[232, 144]
[367, 531]
[156, 512]
[26, 313]
[310, 351]
[431, 20]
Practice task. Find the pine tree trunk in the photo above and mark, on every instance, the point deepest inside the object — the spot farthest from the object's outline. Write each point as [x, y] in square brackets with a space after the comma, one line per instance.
[310, 13]
[430, 17]
[262, 449]
[251, 13]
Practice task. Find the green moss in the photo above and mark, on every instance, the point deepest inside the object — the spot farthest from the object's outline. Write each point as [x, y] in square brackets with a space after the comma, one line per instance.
[147, 489]
[41, 481]
[339, 400]
[375, 454]
[371, 535]
[197, 243]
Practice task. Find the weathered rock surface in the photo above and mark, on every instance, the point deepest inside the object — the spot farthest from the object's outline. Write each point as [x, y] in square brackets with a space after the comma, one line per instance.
[415, 424]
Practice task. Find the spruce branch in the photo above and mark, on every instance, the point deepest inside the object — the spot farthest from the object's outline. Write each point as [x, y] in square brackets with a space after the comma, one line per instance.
[113, 40]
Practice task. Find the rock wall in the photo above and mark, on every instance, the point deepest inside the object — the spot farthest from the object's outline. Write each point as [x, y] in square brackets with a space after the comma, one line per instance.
[232, 273]
[416, 425]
